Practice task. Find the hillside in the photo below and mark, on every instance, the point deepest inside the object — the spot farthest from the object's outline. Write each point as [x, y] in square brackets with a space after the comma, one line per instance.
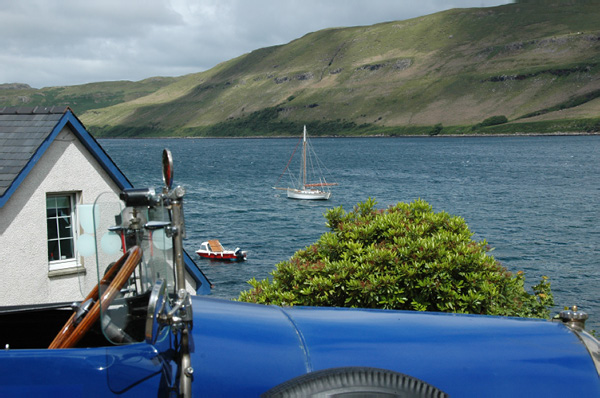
[537, 63]
[81, 97]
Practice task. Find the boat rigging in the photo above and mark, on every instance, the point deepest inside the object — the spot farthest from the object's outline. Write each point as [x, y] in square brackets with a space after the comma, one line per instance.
[309, 183]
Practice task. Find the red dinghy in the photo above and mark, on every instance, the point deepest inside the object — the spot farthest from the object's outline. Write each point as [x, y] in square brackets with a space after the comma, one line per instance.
[214, 251]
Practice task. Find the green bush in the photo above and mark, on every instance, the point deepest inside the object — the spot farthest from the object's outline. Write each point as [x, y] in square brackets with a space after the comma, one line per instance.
[494, 120]
[491, 121]
[405, 257]
[436, 129]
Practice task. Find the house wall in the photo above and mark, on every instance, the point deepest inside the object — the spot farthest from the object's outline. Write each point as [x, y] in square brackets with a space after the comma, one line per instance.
[66, 166]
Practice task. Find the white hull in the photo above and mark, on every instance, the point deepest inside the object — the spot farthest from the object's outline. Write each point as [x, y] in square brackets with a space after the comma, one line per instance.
[214, 251]
[310, 180]
[307, 194]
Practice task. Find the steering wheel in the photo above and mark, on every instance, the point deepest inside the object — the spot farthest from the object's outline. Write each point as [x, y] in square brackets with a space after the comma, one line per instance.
[73, 331]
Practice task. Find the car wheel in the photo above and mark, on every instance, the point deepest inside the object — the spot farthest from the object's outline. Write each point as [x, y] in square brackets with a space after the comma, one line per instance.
[354, 382]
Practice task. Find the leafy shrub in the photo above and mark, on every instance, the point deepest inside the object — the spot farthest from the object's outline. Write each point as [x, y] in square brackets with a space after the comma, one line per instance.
[405, 257]
[494, 120]
[491, 121]
[436, 129]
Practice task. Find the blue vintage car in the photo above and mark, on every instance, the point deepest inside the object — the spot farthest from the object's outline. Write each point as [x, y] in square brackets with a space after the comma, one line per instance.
[141, 333]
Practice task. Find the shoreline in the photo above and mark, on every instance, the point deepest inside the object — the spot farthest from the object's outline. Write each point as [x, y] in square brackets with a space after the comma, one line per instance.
[258, 137]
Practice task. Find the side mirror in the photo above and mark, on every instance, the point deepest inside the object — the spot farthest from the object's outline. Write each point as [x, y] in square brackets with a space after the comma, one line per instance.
[167, 165]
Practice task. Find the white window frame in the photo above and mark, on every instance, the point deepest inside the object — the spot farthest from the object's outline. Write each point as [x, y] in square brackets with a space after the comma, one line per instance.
[63, 264]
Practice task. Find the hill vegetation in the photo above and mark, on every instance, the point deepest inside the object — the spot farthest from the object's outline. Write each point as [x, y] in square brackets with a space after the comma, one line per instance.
[533, 65]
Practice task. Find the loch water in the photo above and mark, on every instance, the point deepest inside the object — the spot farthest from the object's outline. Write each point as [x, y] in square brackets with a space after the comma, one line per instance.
[535, 200]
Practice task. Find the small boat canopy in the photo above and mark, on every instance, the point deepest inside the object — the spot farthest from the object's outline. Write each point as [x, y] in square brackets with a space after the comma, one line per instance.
[215, 245]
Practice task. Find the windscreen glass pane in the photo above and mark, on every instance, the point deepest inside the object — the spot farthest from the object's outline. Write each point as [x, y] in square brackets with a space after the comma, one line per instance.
[124, 293]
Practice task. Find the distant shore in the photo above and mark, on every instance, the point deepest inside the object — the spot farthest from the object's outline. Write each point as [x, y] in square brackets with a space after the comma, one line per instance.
[258, 137]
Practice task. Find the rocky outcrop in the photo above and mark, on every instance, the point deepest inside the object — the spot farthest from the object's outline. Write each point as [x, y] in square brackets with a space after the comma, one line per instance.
[14, 86]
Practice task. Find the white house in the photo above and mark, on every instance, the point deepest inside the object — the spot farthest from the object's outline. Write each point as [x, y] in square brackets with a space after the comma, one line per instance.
[50, 168]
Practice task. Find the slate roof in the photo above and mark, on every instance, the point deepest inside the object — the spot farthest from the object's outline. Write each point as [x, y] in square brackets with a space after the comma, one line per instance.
[22, 132]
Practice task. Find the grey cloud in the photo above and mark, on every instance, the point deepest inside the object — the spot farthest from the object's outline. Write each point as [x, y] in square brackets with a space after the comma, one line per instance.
[66, 42]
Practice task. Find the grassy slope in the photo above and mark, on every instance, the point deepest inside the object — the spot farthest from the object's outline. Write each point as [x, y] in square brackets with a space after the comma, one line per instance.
[457, 68]
[83, 97]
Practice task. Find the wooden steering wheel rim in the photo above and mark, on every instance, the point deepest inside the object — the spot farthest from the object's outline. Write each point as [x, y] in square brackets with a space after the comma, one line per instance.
[70, 334]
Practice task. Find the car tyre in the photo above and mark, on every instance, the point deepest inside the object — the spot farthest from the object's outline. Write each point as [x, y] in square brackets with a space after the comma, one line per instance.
[354, 382]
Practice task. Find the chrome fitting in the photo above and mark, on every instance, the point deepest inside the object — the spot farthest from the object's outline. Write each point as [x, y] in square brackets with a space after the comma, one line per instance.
[574, 318]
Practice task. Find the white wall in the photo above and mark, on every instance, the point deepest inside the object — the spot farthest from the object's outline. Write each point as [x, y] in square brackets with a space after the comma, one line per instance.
[66, 166]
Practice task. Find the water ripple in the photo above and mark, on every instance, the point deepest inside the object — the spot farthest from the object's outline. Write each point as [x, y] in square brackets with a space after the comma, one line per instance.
[534, 199]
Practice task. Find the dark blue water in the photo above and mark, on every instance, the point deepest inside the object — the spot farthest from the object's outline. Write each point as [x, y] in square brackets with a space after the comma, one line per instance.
[536, 200]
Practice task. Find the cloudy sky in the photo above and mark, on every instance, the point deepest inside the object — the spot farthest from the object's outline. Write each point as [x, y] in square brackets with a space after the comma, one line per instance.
[66, 42]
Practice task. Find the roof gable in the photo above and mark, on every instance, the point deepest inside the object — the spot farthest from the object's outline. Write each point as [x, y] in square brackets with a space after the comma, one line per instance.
[25, 135]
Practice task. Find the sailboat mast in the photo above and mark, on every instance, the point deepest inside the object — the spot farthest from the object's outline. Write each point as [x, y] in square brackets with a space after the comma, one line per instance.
[304, 158]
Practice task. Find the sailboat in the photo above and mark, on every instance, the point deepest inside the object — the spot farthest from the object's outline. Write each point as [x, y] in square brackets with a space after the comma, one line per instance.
[310, 183]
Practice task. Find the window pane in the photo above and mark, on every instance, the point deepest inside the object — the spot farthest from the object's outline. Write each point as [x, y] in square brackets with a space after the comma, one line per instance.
[61, 232]
[64, 227]
[53, 250]
[63, 202]
[50, 202]
[66, 249]
[52, 232]
[50, 207]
